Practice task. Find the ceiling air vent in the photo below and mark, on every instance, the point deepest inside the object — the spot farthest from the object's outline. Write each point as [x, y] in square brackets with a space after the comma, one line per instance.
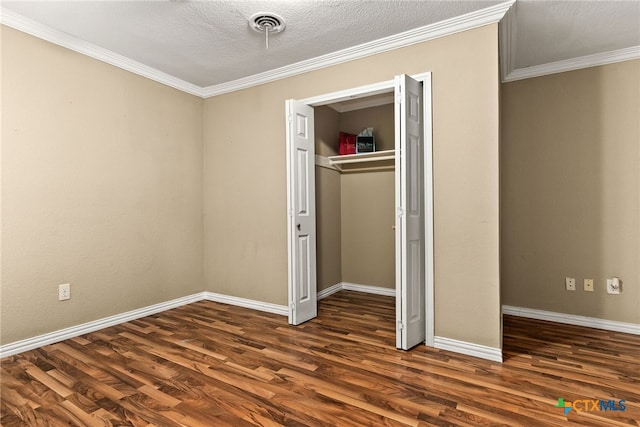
[267, 23]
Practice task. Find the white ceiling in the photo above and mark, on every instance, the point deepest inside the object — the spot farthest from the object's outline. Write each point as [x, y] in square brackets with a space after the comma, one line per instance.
[208, 43]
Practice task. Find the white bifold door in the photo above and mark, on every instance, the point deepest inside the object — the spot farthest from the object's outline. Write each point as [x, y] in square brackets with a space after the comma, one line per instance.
[410, 215]
[410, 212]
[301, 201]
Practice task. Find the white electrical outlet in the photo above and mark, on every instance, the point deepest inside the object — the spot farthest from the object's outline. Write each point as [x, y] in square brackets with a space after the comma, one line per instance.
[588, 285]
[614, 286]
[570, 283]
[64, 292]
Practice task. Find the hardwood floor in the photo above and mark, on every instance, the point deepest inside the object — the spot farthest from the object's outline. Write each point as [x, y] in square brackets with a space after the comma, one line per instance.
[210, 364]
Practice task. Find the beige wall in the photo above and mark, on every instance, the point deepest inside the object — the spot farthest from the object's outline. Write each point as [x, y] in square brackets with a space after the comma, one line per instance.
[327, 131]
[368, 200]
[328, 206]
[381, 118]
[101, 188]
[571, 189]
[368, 239]
[328, 228]
[245, 178]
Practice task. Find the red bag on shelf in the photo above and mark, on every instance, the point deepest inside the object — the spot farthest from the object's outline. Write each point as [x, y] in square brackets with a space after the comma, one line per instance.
[347, 143]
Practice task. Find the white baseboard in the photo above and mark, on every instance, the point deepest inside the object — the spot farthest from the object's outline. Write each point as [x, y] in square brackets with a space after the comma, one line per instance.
[247, 303]
[573, 319]
[377, 290]
[470, 349]
[85, 328]
[330, 291]
[390, 292]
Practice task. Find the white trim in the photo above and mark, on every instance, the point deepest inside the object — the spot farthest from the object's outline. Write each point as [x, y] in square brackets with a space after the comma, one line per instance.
[507, 41]
[247, 303]
[595, 60]
[349, 94]
[387, 86]
[85, 328]
[364, 103]
[428, 226]
[502, 13]
[573, 319]
[324, 162]
[377, 290]
[436, 30]
[468, 348]
[346, 286]
[398, 217]
[290, 231]
[329, 291]
[26, 25]
[447, 27]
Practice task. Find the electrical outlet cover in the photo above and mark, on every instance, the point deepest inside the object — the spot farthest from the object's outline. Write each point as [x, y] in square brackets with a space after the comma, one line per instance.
[570, 283]
[64, 292]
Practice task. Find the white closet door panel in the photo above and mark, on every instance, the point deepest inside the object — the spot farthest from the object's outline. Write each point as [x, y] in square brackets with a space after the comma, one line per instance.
[410, 260]
[302, 212]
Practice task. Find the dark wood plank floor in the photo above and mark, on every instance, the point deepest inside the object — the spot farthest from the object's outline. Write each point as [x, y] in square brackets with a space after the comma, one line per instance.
[210, 364]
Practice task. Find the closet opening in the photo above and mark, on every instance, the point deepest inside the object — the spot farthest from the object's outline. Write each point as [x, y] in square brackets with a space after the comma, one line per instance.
[363, 221]
[355, 215]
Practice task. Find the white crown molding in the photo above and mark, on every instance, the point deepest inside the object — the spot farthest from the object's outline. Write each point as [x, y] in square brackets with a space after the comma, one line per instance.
[282, 310]
[468, 348]
[587, 61]
[486, 16]
[26, 25]
[507, 40]
[573, 319]
[503, 13]
[447, 27]
[85, 328]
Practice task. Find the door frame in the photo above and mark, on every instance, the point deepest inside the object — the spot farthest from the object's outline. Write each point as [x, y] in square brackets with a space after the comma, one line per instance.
[362, 92]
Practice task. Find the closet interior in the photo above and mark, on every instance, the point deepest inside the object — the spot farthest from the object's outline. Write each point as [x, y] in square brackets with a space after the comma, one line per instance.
[355, 195]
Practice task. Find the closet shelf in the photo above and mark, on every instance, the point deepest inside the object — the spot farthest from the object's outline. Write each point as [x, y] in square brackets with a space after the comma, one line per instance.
[376, 156]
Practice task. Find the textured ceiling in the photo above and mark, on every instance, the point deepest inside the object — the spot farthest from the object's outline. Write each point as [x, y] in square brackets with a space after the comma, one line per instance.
[549, 31]
[209, 43]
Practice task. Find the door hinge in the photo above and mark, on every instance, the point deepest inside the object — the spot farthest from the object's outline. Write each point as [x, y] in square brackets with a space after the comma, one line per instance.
[400, 212]
[400, 325]
[292, 305]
